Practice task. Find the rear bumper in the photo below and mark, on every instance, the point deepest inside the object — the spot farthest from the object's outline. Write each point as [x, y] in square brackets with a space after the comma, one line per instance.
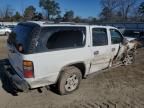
[14, 79]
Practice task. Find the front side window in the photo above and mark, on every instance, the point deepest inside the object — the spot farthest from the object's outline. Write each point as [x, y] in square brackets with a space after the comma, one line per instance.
[100, 37]
[116, 36]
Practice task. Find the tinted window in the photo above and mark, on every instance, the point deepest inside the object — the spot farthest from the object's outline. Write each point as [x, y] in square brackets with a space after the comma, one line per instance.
[53, 38]
[65, 39]
[99, 37]
[116, 37]
[22, 35]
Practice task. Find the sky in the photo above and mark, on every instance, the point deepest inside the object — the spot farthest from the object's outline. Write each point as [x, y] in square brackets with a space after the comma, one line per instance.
[82, 8]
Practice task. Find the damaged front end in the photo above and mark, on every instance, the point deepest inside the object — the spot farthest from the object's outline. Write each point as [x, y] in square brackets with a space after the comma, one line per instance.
[126, 53]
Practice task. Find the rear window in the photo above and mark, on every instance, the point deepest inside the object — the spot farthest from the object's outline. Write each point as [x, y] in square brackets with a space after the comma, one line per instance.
[22, 36]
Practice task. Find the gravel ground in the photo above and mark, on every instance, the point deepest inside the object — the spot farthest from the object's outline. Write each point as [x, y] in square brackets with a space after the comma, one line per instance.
[121, 87]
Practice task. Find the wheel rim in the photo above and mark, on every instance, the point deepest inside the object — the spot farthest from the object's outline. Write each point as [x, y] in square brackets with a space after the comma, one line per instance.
[71, 83]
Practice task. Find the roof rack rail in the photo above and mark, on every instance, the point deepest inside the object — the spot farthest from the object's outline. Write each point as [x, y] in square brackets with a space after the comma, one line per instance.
[67, 23]
[48, 22]
[57, 22]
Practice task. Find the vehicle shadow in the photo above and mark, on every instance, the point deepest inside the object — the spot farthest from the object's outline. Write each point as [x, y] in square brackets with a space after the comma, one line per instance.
[6, 85]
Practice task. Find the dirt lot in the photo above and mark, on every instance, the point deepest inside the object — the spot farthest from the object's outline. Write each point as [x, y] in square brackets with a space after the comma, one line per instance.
[121, 87]
[3, 47]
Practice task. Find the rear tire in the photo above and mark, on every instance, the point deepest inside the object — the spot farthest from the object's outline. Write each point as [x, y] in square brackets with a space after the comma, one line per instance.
[69, 80]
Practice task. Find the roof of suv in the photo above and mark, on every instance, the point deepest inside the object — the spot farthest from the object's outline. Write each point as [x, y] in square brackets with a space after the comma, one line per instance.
[45, 24]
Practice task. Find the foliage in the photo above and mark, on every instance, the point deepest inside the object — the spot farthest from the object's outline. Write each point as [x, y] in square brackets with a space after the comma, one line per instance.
[52, 7]
[37, 17]
[112, 11]
[68, 16]
[77, 19]
[17, 16]
[29, 12]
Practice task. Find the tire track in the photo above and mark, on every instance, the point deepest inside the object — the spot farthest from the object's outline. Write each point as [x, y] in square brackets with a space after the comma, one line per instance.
[94, 104]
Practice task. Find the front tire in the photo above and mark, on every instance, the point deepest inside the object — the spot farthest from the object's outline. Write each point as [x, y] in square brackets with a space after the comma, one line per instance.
[69, 80]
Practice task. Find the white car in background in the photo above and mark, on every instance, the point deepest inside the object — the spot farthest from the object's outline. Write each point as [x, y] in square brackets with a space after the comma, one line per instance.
[4, 30]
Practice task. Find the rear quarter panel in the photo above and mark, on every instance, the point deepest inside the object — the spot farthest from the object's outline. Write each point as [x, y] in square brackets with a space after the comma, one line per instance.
[48, 65]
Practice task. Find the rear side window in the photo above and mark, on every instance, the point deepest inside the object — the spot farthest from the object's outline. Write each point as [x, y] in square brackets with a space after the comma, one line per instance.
[55, 38]
[100, 37]
[65, 39]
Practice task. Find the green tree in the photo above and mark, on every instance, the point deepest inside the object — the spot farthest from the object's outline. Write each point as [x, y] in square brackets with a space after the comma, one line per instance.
[77, 19]
[69, 16]
[37, 17]
[29, 12]
[51, 6]
[17, 16]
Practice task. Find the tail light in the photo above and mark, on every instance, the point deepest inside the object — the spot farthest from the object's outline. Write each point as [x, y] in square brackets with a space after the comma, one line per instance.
[28, 69]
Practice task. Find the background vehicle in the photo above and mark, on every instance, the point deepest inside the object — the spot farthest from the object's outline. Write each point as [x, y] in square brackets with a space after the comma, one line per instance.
[4, 30]
[11, 27]
[134, 35]
[43, 54]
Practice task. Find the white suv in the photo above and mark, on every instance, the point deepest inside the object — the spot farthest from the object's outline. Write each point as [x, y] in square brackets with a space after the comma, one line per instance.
[42, 54]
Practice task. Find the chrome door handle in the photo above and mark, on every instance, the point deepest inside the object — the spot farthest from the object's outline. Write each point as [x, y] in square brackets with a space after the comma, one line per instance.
[96, 52]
